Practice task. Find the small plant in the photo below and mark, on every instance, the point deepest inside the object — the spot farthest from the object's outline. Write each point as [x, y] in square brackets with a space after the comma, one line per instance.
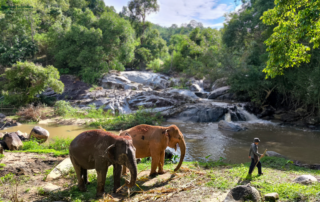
[41, 191]
[175, 158]
[2, 165]
[27, 190]
[1, 156]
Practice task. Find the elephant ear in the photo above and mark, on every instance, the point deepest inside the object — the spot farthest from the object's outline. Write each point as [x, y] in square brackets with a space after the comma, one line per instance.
[110, 151]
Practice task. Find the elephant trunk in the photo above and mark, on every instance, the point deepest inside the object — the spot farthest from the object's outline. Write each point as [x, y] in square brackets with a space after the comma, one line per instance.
[132, 165]
[182, 146]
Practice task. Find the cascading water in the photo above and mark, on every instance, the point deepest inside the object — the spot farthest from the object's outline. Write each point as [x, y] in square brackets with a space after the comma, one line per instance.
[227, 117]
[249, 117]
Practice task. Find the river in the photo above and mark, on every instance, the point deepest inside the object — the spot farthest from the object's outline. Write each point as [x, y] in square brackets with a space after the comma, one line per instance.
[205, 139]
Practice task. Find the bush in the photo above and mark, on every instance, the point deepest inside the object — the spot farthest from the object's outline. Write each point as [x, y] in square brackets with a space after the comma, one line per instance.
[62, 108]
[155, 65]
[25, 80]
[33, 113]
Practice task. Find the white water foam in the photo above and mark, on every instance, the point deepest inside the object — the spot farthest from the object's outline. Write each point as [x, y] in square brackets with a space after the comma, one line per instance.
[227, 117]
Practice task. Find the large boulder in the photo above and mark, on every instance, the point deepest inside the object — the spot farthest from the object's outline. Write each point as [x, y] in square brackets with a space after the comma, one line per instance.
[219, 83]
[60, 169]
[219, 92]
[117, 81]
[224, 125]
[154, 80]
[306, 179]
[40, 134]
[203, 113]
[12, 141]
[201, 94]
[243, 193]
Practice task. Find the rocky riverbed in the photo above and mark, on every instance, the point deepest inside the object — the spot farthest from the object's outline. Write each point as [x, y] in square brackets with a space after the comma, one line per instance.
[188, 100]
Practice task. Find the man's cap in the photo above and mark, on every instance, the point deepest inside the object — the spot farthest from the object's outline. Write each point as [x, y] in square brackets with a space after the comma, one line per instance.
[256, 139]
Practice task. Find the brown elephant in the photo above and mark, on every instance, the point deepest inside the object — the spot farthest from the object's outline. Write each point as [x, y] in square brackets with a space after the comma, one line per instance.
[98, 149]
[153, 141]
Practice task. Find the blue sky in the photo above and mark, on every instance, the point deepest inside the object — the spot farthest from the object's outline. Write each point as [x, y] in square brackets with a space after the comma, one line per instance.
[209, 12]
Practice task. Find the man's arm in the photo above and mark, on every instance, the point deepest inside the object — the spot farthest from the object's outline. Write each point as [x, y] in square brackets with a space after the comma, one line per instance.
[254, 150]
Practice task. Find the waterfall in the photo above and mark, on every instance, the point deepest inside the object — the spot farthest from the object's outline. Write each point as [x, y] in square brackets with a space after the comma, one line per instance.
[227, 117]
[249, 117]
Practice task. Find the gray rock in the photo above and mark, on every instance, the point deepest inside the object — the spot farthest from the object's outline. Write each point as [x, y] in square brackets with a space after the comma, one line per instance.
[224, 125]
[12, 141]
[228, 96]
[305, 179]
[195, 88]
[219, 83]
[202, 94]
[48, 187]
[218, 92]
[118, 81]
[202, 113]
[183, 92]
[243, 193]
[40, 134]
[154, 80]
[2, 116]
[275, 154]
[271, 197]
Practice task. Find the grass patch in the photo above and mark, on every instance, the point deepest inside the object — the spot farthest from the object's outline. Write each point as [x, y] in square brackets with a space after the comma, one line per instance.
[278, 177]
[56, 146]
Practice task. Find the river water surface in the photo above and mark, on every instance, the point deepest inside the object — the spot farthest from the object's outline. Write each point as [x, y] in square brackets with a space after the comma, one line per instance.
[205, 139]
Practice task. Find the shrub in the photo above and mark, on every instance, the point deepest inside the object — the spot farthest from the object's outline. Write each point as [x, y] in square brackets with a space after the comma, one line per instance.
[62, 108]
[33, 113]
[155, 65]
[25, 80]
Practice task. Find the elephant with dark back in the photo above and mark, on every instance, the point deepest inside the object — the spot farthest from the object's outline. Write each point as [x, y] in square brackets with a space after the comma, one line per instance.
[152, 141]
[98, 149]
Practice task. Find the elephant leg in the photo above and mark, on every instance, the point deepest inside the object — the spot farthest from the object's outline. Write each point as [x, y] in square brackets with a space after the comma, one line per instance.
[124, 170]
[154, 163]
[161, 163]
[81, 183]
[116, 176]
[101, 180]
[84, 173]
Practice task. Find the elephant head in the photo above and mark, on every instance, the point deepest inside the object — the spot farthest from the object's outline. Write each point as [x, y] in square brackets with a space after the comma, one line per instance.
[124, 153]
[176, 137]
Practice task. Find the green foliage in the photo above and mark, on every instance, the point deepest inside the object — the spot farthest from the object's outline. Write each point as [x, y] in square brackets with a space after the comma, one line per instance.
[21, 49]
[25, 80]
[155, 65]
[94, 45]
[125, 121]
[62, 108]
[294, 37]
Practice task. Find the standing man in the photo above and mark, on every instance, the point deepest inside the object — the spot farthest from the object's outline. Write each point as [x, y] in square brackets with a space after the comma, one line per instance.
[254, 155]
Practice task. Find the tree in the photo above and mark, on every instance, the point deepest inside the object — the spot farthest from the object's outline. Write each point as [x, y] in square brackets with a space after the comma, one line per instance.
[296, 35]
[140, 9]
[94, 46]
[25, 80]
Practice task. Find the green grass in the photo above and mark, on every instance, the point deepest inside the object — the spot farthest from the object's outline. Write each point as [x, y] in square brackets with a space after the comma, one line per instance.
[56, 146]
[278, 177]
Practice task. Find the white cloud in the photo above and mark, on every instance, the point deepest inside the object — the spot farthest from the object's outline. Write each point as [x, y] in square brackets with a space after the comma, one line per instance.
[183, 11]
